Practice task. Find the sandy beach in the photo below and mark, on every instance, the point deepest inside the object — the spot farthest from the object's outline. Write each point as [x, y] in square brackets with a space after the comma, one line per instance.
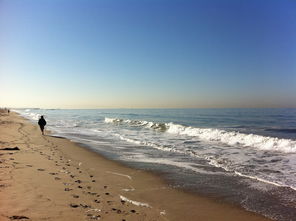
[52, 178]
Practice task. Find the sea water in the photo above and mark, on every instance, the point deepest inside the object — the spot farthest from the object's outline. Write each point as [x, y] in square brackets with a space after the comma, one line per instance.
[242, 156]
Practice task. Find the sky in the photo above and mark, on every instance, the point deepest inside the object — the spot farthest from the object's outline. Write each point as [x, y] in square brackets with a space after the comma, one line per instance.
[147, 53]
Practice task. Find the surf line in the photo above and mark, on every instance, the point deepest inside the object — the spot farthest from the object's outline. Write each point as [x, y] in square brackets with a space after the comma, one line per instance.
[134, 202]
[120, 174]
[263, 180]
[129, 190]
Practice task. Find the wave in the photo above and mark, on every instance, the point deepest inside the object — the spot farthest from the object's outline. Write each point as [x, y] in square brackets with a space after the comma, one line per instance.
[211, 160]
[28, 114]
[265, 180]
[150, 144]
[147, 124]
[217, 135]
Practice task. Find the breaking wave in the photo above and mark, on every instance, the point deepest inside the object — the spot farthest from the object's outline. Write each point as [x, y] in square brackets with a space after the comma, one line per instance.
[216, 135]
[212, 161]
[147, 124]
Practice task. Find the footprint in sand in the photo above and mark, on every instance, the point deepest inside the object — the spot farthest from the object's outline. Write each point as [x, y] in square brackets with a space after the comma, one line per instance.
[68, 189]
[73, 205]
[18, 217]
[118, 211]
[95, 217]
[122, 201]
[85, 206]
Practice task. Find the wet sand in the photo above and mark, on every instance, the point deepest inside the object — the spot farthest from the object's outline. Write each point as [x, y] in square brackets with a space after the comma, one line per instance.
[51, 178]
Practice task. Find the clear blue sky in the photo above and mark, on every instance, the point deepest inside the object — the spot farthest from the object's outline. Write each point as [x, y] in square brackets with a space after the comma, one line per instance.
[147, 53]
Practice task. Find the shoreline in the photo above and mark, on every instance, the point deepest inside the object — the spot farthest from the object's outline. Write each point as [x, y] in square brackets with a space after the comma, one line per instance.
[56, 179]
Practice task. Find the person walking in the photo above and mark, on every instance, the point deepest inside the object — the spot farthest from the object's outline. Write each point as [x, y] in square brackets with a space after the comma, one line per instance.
[42, 123]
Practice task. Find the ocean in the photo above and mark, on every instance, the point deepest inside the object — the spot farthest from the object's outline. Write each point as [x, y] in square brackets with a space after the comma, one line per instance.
[245, 157]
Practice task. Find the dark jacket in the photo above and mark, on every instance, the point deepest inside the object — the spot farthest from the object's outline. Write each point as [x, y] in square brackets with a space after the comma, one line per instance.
[42, 122]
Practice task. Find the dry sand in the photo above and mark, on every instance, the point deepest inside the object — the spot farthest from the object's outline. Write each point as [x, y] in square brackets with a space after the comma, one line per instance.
[52, 178]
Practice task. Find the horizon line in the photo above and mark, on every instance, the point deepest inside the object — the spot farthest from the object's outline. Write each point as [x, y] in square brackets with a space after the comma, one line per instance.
[97, 108]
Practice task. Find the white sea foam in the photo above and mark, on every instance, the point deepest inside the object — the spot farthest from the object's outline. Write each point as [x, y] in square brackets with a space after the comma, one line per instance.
[139, 123]
[214, 162]
[28, 114]
[150, 144]
[217, 135]
[174, 163]
[129, 189]
[112, 120]
[120, 174]
[134, 202]
[235, 138]
[264, 180]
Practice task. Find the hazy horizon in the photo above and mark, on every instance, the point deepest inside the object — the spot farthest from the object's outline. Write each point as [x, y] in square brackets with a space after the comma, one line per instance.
[148, 54]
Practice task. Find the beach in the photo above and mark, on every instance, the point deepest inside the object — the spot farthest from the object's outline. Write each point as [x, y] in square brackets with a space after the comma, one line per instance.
[148, 110]
[52, 178]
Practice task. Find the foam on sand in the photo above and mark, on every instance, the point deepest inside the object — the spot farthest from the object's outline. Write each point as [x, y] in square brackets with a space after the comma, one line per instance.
[136, 203]
[120, 174]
